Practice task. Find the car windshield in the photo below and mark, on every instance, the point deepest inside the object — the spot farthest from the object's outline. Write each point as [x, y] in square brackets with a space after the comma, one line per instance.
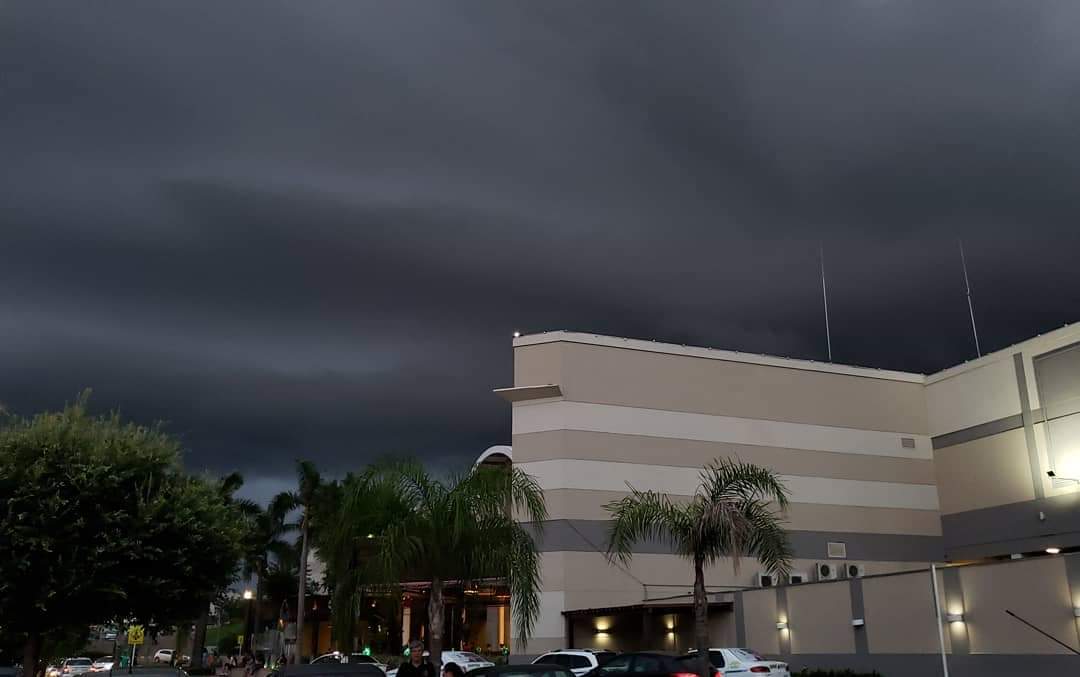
[747, 655]
[469, 657]
[79, 661]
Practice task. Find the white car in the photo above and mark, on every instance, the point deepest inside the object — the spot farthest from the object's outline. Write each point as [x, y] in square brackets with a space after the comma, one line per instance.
[745, 663]
[466, 660]
[577, 661]
[103, 664]
[75, 666]
[338, 657]
[163, 656]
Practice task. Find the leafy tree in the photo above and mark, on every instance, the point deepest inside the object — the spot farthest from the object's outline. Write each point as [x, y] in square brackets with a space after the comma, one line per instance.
[266, 541]
[348, 519]
[729, 516]
[309, 484]
[100, 522]
[464, 530]
[227, 487]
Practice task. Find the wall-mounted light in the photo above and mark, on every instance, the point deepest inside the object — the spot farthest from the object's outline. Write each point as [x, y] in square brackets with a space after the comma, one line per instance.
[858, 622]
[1053, 551]
[1076, 611]
[602, 625]
[781, 625]
[954, 618]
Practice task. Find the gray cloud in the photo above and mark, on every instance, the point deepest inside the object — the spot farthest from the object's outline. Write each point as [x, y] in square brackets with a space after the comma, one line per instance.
[309, 230]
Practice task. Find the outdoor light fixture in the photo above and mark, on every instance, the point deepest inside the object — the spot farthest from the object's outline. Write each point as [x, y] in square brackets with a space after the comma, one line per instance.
[1076, 611]
[371, 535]
[1051, 473]
[782, 625]
[249, 594]
[954, 618]
[858, 622]
[1053, 551]
[517, 334]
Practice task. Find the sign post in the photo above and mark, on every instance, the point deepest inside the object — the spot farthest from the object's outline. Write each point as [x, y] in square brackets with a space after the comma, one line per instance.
[135, 636]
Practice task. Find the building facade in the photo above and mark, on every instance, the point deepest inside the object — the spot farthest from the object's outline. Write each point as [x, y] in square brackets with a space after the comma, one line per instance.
[888, 472]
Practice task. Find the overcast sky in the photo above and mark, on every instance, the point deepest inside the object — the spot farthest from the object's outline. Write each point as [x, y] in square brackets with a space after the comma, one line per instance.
[309, 229]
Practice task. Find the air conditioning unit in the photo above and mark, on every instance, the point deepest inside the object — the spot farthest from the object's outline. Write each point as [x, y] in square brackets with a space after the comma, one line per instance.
[854, 571]
[797, 577]
[826, 571]
[765, 580]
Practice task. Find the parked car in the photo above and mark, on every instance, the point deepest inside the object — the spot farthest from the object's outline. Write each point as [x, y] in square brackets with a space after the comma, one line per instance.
[163, 656]
[328, 669]
[648, 664]
[743, 662]
[75, 666]
[353, 659]
[531, 670]
[466, 660]
[103, 664]
[578, 661]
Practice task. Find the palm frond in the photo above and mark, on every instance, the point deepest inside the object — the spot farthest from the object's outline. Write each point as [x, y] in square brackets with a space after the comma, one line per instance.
[641, 516]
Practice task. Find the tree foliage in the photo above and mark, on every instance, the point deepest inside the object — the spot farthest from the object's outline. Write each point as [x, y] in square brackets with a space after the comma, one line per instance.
[731, 515]
[465, 530]
[98, 521]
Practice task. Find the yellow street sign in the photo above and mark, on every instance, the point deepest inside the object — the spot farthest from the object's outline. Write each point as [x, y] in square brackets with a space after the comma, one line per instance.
[135, 635]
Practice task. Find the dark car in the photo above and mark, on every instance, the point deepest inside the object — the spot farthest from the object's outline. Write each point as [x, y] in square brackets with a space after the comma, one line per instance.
[648, 664]
[531, 670]
[331, 669]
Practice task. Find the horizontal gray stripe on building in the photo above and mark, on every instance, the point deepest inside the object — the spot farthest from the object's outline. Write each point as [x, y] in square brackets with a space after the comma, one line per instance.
[591, 536]
[1001, 425]
[928, 665]
[1012, 528]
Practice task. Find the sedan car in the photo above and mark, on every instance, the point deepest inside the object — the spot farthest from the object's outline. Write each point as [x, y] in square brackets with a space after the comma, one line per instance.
[531, 670]
[647, 664]
[103, 664]
[466, 660]
[352, 659]
[75, 666]
[744, 662]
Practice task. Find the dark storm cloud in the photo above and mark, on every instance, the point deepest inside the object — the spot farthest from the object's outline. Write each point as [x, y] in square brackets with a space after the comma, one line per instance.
[309, 229]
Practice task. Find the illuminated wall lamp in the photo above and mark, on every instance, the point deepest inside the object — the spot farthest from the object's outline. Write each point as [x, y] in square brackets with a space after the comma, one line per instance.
[858, 622]
[781, 625]
[1076, 611]
[954, 618]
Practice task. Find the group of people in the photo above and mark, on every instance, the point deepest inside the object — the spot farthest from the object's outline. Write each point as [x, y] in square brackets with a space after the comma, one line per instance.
[418, 667]
[224, 665]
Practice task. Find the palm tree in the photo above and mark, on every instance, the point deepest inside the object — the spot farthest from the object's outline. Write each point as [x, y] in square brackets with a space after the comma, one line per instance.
[346, 519]
[309, 482]
[730, 515]
[464, 530]
[266, 539]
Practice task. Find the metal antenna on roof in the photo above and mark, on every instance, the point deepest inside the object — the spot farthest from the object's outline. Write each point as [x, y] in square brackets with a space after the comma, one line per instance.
[971, 306]
[825, 298]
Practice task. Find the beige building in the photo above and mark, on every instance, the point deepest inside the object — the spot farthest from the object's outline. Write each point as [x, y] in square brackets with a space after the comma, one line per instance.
[888, 472]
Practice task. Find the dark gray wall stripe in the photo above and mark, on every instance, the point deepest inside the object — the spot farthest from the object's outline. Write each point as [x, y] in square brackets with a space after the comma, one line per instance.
[1029, 426]
[953, 598]
[858, 610]
[740, 620]
[591, 536]
[782, 612]
[1015, 527]
[977, 432]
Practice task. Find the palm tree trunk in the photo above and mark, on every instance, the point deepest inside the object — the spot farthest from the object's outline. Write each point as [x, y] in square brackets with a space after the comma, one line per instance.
[199, 640]
[436, 615]
[701, 620]
[258, 608]
[301, 589]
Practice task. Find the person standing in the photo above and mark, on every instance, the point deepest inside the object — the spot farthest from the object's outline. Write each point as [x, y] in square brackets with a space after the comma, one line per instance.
[417, 666]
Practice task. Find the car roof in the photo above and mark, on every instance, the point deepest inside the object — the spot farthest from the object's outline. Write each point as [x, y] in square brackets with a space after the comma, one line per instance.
[530, 667]
[329, 670]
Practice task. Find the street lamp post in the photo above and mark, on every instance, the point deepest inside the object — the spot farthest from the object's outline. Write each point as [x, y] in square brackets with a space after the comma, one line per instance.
[248, 630]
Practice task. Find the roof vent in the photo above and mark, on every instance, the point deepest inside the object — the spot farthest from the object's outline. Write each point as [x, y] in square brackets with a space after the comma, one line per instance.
[837, 550]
